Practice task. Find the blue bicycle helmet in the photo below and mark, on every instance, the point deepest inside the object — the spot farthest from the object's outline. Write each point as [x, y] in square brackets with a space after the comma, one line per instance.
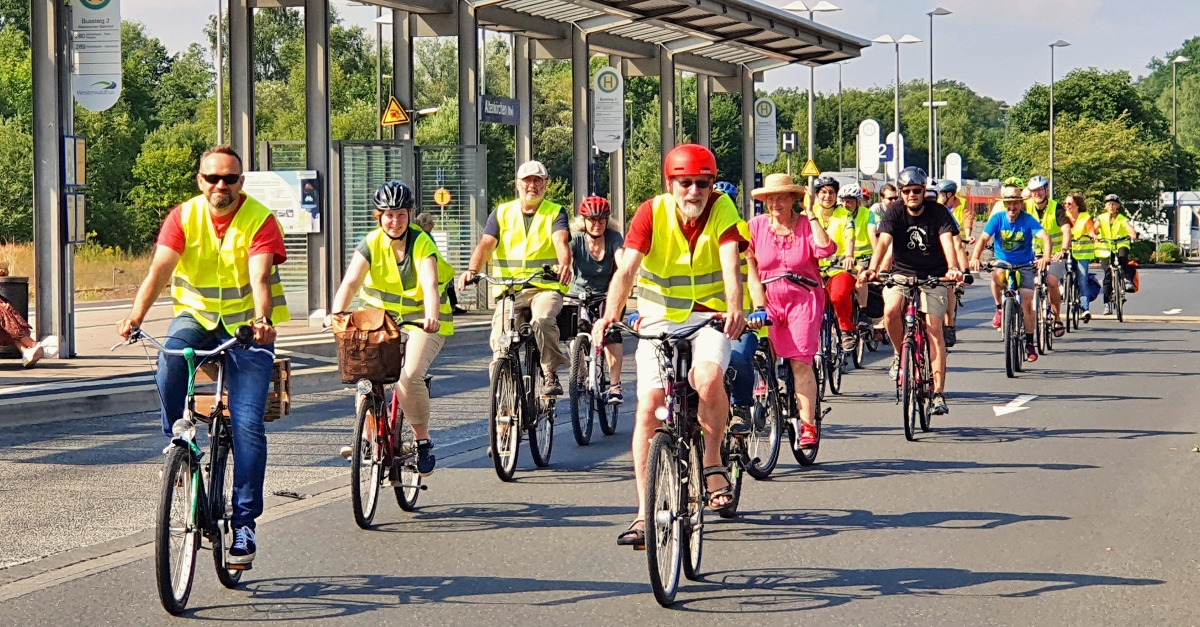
[727, 188]
[393, 195]
[946, 186]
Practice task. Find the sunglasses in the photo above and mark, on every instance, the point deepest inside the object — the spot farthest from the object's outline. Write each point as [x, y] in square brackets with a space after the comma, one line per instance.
[890, 198]
[213, 179]
[699, 183]
[916, 191]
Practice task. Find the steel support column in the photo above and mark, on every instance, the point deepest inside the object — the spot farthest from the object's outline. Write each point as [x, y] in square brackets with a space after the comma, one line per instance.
[581, 141]
[523, 80]
[241, 81]
[616, 161]
[402, 88]
[703, 96]
[666, 101]
[50, 101]
[747, 77]
[468, 74]
[316, 136]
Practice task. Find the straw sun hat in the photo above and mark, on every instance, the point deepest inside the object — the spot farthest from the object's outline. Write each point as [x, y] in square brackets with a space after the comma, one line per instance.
[778, 184]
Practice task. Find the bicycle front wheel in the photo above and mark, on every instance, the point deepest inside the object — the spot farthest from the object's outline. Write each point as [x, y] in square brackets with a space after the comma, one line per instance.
[762, 445]
[909, 378]
[664, 519]
[220, 483]
[581, 395]
[504, 420]
[926, 396]
[609, 412]
[1012, 339]
[177, 532]
[406, 464]
[1039, 321]
[804, 456]
[366, 462]
[541, 429]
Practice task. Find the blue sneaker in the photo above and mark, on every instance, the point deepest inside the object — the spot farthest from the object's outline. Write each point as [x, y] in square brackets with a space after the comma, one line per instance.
[425, 457]
[244, 547]
[615, 397]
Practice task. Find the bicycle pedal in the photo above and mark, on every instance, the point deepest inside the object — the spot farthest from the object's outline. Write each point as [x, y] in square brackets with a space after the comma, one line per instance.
[825, 412]
[639, 547]
[239, 566]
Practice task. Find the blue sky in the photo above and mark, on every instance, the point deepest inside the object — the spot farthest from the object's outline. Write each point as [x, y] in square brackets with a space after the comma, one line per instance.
[998, 47]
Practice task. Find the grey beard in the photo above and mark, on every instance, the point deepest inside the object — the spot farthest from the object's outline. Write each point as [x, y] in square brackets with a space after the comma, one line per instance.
[689, 213]
[221, 204]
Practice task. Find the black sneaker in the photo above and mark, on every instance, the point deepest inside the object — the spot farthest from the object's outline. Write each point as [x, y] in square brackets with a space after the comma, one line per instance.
[951, 337]
[615, 396]
[740, 423]
[425, 458]
[244, 547]
[553, 387]
[940, 408]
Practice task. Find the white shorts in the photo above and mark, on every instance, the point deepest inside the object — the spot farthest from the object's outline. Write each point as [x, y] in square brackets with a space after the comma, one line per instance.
[708, 345]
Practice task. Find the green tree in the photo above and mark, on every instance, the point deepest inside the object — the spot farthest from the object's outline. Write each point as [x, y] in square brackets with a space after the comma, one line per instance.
[1092, 94]
[15, 14]
[185, 87]
[144, 62]
[16, 190]
[165, 175]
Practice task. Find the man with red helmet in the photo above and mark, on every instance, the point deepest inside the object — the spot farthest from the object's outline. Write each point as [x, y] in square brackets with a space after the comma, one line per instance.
[683, 250]
[595, 251]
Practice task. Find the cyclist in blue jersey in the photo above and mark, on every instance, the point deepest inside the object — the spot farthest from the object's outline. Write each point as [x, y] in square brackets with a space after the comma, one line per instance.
[1013, 232]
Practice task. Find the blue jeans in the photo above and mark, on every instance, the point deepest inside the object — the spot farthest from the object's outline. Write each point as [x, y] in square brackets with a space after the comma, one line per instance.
[741, 360]
[1081, 279]
[248, 379]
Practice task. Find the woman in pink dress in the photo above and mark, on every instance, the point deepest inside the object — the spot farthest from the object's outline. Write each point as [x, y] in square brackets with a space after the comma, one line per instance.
[785, 240]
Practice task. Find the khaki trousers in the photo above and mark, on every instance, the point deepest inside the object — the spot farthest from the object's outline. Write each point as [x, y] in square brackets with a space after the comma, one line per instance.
[540, 308]
[421, 350]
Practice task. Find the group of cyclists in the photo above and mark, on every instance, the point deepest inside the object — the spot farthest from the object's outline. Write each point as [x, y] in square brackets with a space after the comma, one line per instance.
[689, 253]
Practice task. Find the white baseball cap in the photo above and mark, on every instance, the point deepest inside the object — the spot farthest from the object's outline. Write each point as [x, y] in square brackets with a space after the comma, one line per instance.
[532, 168]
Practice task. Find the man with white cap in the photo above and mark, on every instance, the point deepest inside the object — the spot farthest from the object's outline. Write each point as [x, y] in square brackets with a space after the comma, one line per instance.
[520, 237]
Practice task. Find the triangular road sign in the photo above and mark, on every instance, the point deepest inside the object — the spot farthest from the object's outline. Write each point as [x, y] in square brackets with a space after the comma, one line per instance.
[394, 114]
[810, 169]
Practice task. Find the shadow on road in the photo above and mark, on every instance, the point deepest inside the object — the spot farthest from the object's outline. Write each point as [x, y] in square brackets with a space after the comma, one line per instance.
[467, 517]
[993, 435]
[750, 526]
[873, 468]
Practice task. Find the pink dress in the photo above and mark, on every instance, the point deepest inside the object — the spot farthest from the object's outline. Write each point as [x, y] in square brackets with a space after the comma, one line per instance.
[795, 312]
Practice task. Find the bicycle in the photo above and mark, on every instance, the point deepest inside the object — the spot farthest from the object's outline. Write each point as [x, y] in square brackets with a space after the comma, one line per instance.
[385, 441]
[1043, 314]
[1116, 275]
[831, 356]
[1072, 294]
[589, 382]
[189, 507]
[1012, 318]
[675, 487]
[790, 408]
[516, 379]
[914, 381]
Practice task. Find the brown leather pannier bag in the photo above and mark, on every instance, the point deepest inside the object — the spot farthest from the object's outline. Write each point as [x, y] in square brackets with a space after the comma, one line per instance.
[369, 346]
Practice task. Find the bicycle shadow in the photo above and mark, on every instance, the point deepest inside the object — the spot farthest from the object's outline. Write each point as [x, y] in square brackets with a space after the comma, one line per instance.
[751, 526]
[876, 468]
[994, 435]
[471, 517]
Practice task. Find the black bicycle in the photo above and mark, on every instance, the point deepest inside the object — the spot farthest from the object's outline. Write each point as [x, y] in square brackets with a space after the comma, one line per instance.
[588, 387]
[188, 506]
[788, 405]
[1116, 274]
[1043, 314]
[518, 404]
[1074, 285]
[766, 415]
[1012, 317]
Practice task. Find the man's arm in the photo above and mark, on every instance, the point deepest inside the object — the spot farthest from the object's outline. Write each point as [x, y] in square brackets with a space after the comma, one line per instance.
[562, 250]
[983, 242]
[883, 250]
[260, 285]
[947, 239]
[731, 273]
[1044, 237]
[162, 266]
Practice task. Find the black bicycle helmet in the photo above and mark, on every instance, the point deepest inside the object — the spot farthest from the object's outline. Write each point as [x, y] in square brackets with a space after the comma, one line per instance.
[827, 181]
[913, 175]
[1113, 198]
[393, 195]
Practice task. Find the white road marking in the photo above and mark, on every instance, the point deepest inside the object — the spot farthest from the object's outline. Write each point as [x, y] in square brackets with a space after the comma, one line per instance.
[1173, 312]
[1014, 405]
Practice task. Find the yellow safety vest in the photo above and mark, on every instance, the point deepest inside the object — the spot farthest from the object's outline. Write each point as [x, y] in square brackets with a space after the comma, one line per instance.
[520, 253]
[385, 288]
[960, 215]
[672, 279]
[840, 229]
[1111, 229]
[862, 238]
[1049, 222]
[1083, 247]
[212, 280]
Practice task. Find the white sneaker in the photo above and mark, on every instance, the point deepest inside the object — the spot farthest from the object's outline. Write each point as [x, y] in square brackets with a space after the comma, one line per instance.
[345, 452]
[31, 355]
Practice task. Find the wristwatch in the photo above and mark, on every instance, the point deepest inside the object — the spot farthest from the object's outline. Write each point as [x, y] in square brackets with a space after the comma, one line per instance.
[264, 320]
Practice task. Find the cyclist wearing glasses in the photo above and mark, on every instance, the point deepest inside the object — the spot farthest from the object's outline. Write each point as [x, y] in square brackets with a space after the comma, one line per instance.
[918, 236]
[840, 285]
[595, 251]
[1053, 218]
[219, 252]
[520, 237]
[683, 250]
[1114, 226]
[887, 196]
[397, 268]
[1014, 232]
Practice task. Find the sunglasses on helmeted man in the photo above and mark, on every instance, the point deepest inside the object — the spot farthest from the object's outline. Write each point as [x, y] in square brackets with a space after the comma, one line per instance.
[699, 183]
[213, 179]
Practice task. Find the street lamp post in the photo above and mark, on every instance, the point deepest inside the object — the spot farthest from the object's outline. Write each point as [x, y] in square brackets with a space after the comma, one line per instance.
[1058, 44]
[888, 39]
[841, 145]
[935, 148]
[220, 73]
[820, 7]
[932, 111]
[1175, 137]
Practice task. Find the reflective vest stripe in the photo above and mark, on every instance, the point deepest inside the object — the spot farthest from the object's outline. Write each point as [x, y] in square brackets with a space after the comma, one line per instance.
[679, 281]
[383, 287]
[521, 251]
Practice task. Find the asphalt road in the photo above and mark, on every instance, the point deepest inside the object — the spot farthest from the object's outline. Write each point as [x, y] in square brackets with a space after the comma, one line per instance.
[1075, 510]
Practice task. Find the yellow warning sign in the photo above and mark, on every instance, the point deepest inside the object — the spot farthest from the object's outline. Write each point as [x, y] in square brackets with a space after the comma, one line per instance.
[810, 169]
[394, 114]
[442, 196]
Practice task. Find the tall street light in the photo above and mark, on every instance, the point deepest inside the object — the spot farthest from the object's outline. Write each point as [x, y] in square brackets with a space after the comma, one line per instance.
[932, 114]
[888, 39]
[1058, 44]
[1175, 135]
[820, 7]
[220, 54]
[935, 148]
[841, 147]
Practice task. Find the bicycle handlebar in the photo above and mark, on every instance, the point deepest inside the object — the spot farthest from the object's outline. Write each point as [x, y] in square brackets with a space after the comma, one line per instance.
[891, 279]
[794, 278]
[682, 333]
[546, 273]
[244, 336]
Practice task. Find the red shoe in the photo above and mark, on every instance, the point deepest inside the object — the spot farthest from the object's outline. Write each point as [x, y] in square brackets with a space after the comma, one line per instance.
[808, 435]
[996, 320]
[1030, 352]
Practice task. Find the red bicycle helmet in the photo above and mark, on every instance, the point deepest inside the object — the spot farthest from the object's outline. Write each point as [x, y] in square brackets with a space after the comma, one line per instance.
[690, 160]
[595, 207]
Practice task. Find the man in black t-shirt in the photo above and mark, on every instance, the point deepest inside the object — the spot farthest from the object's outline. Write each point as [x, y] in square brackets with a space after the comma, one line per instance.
[917, 237]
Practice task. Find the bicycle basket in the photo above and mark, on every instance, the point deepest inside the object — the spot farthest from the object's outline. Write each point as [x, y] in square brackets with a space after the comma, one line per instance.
[370, 346]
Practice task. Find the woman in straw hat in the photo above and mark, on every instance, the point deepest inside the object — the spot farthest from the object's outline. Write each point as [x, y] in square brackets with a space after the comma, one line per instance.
[786, 240]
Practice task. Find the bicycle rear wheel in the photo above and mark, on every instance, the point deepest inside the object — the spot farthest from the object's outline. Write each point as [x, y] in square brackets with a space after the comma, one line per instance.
[220, 486]
[1119, 292]
[836, 362]
[366, 462]
[664, 520]
[762, 445]
[406, 465]
[541, 428]
[504, 420]
[582, 396]
[860, 349]
[926, 396]
[1012, 342]
[1039, 322]
[731, 459]
[909, 380]
[692, 528]
[177, 532]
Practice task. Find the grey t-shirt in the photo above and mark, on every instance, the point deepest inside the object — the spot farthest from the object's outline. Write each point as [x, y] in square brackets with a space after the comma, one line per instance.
[592, 276]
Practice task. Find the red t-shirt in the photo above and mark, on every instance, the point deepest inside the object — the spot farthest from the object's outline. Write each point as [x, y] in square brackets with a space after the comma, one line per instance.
[641, 232]
[268, 239]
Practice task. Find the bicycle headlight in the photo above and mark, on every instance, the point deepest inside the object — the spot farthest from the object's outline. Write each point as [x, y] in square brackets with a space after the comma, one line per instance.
[662, 413]
[506, 340]
[364, 387]
[184, 429]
